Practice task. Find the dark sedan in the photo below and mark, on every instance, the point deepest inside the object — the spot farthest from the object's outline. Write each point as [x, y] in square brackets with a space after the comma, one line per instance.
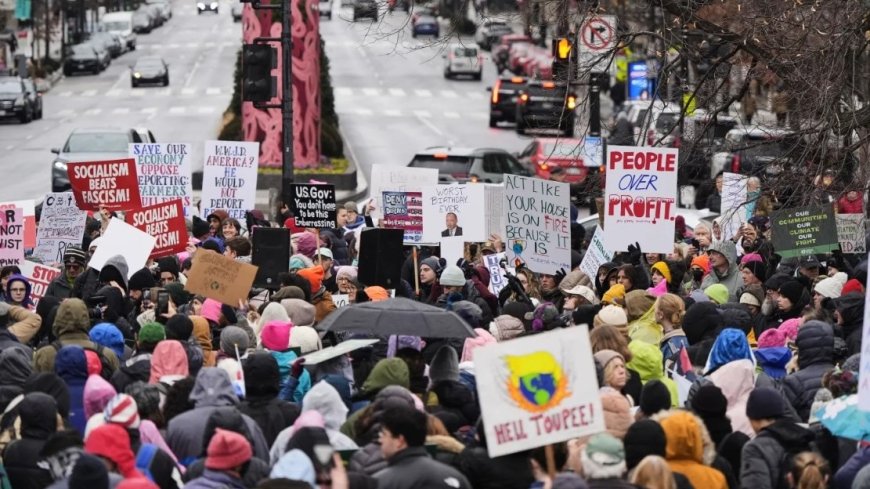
[149, 69]
[83, 59]
[13, 99]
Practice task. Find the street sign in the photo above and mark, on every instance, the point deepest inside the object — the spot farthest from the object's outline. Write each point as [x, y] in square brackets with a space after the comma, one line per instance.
[597, 40]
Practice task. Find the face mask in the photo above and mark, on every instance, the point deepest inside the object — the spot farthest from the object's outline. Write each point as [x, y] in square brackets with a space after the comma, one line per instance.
[697, 275]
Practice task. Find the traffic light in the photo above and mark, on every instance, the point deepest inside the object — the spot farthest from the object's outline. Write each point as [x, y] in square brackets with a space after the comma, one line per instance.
[258, 84]
[563, 49]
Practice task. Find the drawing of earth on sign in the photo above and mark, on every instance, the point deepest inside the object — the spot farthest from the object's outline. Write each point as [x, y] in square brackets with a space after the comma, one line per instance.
[536, 382]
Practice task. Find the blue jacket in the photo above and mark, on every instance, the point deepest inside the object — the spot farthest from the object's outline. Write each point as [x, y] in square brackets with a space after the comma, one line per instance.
[730, 345]
[290, 391]
[846, 475]
[71, 365]
[773, 360]
[212, 479]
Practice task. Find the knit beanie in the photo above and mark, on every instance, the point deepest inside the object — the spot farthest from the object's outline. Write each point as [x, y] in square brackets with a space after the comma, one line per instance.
[275, 335]
[178, 327]
[606, 356]
[702, 262]
[654, 397]
[301, 313]
[314, 276]
[603, 457]
[88, 472]
[445, 365]
[452, 276]
[709, 401]
[752, 295]
[506, 327]
[644, 437]
[758, 268]
[611, 316]
[852, 286]
[376, 293]
[347, 272]
[306, 244]
[434, 263]
[771, 338]
[142, 280]
[792, 290]
[832, 287]
[305, 338]
[233, 337]
[717, 293]
[211, 310]
[482, 339]
[617, 292]
[123, 410]
[227, 450]
[751, 258]
[764, 403]
[663, 269]
[153, 333]
[789, 328]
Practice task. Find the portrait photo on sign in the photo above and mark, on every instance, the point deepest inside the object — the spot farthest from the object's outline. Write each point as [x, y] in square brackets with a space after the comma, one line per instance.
[454, 210]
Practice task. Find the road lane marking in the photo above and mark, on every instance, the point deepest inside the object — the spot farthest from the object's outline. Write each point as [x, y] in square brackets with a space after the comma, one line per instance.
[177, 110]
[422, 114]
[121, 110]
[448, 94]
[96, 111]
[371, 92]
[89, 93]
[206, 110]
[188, 91]
[212, 91]
[397, 92]
[148, 110]
[475, 95]
[451, 115]
[393, 113]
[67, 93]
[343, 91]
[422, 92]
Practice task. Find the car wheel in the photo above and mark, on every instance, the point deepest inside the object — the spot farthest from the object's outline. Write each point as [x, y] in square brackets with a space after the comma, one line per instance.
[67, 72]
[447, 74]
[39, 114]
[478, 76]
[521, 127]
[26, 117]
[329, 16]
[493, 122]
[133, 47]
[96, 71]
[166, 81]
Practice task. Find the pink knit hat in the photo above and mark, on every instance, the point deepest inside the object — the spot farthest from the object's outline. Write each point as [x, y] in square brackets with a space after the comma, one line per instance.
[275, 335]
[227, 450]
[772, 338]
[483, 338]
[751, 257]
[790, 328]
[211, 310]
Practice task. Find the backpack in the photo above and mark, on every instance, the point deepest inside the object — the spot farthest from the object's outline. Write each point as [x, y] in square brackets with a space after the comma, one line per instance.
[106, 369]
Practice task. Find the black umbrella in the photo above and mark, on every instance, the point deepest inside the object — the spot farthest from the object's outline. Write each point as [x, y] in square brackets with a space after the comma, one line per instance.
[397, 316]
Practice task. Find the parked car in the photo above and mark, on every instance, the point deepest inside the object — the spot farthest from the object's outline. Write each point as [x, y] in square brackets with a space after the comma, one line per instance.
[757, 151]
[164, 7]
[463, 59]
[461, 165]
[401, 4]
[702, 138]
[90, 144]
[503, 99]
[489, 31]
[365, 8]
[544, 155]
[426, 25]
[111, 42]
[501, 50]
[120, 23]
[14, 102]
[142, 22]
[149, 69]
[34, 96]
[207, 6]
[546, 105]
[83, 58]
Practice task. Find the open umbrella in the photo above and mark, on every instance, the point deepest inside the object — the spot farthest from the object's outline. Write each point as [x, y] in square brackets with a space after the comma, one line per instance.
[397, 316]
[843, 418]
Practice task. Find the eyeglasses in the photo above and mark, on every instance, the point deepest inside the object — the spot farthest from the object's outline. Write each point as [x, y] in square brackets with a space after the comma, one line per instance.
[73, 266]
[17, 290]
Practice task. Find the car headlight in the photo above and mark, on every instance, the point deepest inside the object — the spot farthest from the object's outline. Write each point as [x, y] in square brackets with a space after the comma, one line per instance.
[214, 5]
[200, 5]
[137, 75]
[59, 165]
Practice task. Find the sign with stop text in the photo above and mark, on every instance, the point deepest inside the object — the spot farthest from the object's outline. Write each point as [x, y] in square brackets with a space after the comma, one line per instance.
[537, 224]
[640, 201]
[164, 222]
[313, 205]
[40, 277]
[229, 177]
[538, 390]
[111, 184]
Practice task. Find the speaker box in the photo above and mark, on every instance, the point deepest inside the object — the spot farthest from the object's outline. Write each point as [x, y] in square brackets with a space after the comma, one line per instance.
[271, 253]
[381, 257]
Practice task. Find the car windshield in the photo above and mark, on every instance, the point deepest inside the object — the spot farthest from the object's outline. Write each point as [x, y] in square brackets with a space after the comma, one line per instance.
[463, 52]
[83, 50]
[765, 147]
[557, 149]
[28, 85]
[667, 121]
[148, 63]
[10, 85]
[450, 164]
[116, 26]
[93, 142]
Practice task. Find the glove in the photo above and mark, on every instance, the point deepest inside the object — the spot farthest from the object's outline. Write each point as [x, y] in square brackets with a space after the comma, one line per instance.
[559, 276]
[634, 253]
[297, 368]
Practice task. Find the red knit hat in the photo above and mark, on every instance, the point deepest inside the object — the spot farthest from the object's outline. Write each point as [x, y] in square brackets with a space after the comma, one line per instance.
[852, 286]
[227, 450]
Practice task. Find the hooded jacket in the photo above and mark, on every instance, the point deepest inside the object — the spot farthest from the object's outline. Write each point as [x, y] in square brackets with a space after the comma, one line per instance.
[71, 325]
[413, 467]
[212, 390]
[648, 363]
[38, 412]
[97, 394]
[136, 369]
[214, 479]
[736, 379]
[851, 308]
[815, 343]
[641, 315]
[262, 383]
[690, 451]
[285, 361]
[773, 360]
[15, 367]
[169, 359]
[112, 441]
[731, 279]
[28, 301]
[202, 336]
[71, 366]
[20, 325]
[761, 458]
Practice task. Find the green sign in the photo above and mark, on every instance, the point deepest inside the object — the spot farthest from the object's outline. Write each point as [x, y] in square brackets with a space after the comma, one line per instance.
[804, 231]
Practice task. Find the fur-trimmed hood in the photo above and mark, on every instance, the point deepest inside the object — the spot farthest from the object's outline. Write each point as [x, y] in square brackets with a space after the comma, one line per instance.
[688, 438]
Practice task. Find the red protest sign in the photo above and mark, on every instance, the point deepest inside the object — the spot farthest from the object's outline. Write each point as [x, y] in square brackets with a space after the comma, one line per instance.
[111, 184]
[164, 221]
[40, 277]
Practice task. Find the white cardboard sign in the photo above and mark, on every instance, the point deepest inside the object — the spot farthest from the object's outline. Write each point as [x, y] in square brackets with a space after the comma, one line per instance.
[125, 240]
[398, 178]
[229, 177]
[596, 255]
[456, 204]
[61, 225]
[164, 173]
[537, 223]
[733, 203]
[864, 368]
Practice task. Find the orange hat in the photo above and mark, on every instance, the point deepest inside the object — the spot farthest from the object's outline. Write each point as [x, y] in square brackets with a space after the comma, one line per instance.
[703, 262]
[376, 293]
[314, 276]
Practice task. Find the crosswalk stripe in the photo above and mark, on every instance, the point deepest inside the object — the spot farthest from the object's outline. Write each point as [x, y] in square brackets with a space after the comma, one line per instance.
[206, 110]
[188, 91]
[177, 110]
[89, 93]
[114, 92]
[67, 93]
[451, 115]
[361, 111]
[397, 92]
[371, 92]
[422, 92]
[93, 111]
[148, 110]
[121, 110]
[448, 94]
[393, 113]
[477, 95]
[212, 91]
[422, 113]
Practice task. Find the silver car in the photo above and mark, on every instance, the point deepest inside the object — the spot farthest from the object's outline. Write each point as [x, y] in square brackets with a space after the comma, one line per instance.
[93, 144]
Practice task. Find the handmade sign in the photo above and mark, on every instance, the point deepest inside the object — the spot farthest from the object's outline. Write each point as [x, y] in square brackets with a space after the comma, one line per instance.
[537, 224]
[497, 279]
[40, 277]
[61, 226]
[123, 239]
[494, 209]
[164, 172]
[29, 210]
[538, 390]
[734, 203]
[397, 179]
[111, 184]
[640, 198]
[864, 366]
[804, 231]
[313, 205]
[596, 255]
[165, 222]
[404, 210]
[229, 177]
[11, 237]
[220, 278]
[454, 210]
[851, 233]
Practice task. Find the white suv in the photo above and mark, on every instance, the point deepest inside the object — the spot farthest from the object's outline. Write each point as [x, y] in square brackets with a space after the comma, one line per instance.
[463, 59]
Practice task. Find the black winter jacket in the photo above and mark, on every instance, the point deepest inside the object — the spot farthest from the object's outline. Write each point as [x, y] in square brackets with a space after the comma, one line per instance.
[762, 457]
[38, 413]
[815, 343]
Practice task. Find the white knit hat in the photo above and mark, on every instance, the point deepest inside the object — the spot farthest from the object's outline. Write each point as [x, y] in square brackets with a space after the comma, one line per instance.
[831, 287]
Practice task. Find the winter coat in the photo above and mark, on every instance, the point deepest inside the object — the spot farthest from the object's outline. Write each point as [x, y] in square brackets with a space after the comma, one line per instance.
[671, 345]
[21, 322]
[851, 307]
[368, 460]
[647, 362]
[256, 471]
[71, 326]
[285, 361]
[335, 241]
[846, 475]
[86, 284]
[213, 479]
[611, 483]
[71, 366]
[15, 368]
[506, 472]
[470, 293]
[731, 279]
[9, 340]
[212, 390]
[456, 405]
[97, 394]
[135, 369]
[60, 288]
[689, 449]
[763, 456]
[773, 361]
[412, 468]
[815, 343]
[262, 382]
[39, 421]
[736, 380]
[846, 206]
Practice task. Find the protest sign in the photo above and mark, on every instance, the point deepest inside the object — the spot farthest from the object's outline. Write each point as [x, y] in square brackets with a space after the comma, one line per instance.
[537, 223]
[29, 210]
[454, 210]
[494, 209]
[123, 239]
[497, 279]
[164, 173]
[11, 237]
[397, 179]
[452, 249]
[313, 205]
[640, 198]
[864, 368]
[229, 177]
[734, 204]
[804, 231]
[40, 276]
[340, 300]
[538, 390]
[596, 255]
[61, 226]
[404, 210]
[111, 184]
[220, 278]
[851, 233]
[165, 222]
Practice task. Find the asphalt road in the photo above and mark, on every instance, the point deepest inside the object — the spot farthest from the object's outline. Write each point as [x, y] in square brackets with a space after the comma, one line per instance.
[201, 52]
[392, 98]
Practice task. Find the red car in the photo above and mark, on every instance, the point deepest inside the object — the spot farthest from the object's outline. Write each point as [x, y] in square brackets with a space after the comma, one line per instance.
[500, 50]
[545, 154]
